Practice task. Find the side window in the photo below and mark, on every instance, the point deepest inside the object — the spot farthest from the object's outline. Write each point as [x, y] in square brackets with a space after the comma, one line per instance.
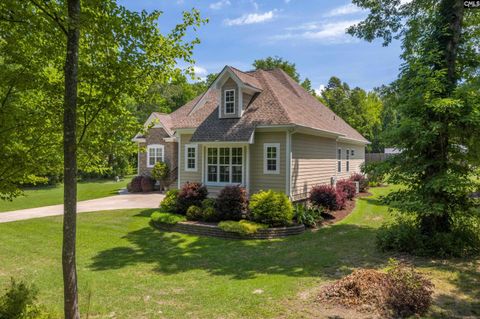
[191, 157]
[352, 153]
[347, 162]
[229, 101]
[155, 153]
[339, 160]
[271, 158]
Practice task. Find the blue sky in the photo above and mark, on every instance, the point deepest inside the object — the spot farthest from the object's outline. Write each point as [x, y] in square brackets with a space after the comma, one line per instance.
[309, 33]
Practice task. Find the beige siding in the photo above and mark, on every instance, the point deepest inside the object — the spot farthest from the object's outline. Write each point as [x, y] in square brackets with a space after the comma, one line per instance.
[246, 100]
[313, 162]
[355, 161]
[230, 85]
[259, 180]
[187, 176]
[156, 135]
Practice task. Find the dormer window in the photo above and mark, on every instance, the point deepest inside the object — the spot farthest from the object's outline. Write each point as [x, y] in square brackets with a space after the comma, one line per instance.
[229, 101]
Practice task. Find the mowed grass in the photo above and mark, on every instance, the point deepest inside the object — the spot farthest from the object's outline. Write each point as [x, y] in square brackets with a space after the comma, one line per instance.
[127, 269]
[52, 195]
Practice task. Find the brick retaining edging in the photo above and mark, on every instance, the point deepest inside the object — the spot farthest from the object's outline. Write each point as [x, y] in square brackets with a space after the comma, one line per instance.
[212, 230]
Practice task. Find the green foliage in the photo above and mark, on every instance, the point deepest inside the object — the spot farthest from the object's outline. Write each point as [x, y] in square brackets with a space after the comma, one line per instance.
[270, 63]
[122, 54]
[271, 208]
[194, 213]
[360, 109]
[160, 171]
[242, 227]
[404, 235]
[19, 302]
[308, 216]
[232, 203]
[438, 104]
[169, 204]
[167, 218]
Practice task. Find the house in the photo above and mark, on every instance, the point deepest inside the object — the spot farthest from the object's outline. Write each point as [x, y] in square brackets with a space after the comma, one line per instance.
[259, 129]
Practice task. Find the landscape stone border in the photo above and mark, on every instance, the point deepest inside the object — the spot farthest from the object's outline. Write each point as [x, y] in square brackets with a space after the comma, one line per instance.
[212, 230]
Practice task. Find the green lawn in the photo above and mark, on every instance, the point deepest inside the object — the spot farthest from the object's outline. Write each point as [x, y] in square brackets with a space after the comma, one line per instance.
[129, 270]
[52, 195]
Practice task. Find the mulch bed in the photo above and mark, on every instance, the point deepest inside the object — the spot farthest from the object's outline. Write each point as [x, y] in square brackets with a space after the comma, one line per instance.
[336, 216]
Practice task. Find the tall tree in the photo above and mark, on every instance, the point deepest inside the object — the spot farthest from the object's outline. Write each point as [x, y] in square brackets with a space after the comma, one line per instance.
[70, 162]
[277, 62]
[438, 104]
[121, 54]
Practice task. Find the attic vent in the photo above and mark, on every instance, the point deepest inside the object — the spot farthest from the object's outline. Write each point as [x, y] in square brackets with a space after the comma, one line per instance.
[334, 117]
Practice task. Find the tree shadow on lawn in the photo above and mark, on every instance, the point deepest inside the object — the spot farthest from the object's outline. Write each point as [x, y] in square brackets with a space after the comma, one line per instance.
[331, 251]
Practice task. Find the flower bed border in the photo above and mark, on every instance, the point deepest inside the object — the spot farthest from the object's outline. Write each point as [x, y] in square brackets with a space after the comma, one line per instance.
[212, 230]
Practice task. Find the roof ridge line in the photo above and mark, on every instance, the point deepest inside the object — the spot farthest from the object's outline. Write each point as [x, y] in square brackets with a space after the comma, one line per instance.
[275, 96]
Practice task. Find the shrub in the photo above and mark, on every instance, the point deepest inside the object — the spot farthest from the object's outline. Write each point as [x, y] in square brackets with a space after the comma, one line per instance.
[326, 196]
[136, 184]
[160, 171]
[362, 181]
[243, 227]
[409, 292]
[404, 235]
[271, 208]
[147, 184]
[167, 218]
[19, 301]
[169, 203]
[340, 198]
[194, 213]
[348, 187]
[209, 214]
[375, 172]
[191, 194]
[208, 202]
[231, 203]
[308, 216]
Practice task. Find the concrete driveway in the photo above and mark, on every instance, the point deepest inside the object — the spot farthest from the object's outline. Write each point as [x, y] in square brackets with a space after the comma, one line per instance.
[123, 201]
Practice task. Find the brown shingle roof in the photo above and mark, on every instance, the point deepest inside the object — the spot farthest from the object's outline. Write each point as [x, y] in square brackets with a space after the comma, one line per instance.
[282, 101]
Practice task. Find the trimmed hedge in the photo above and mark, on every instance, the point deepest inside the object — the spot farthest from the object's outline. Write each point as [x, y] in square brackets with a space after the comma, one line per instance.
[167, 218]
[147, 183]
[327, 197]
[243, 227]
[271, 208]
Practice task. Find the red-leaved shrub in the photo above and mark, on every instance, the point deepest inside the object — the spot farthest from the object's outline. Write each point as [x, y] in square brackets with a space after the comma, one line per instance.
[231, 203]
[362, 181]
[348, 187]
[191, 194]
[328, 197]
[135, 186]
[147, 183]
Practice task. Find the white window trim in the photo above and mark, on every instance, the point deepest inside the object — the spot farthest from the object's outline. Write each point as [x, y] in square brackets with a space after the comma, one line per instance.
[225, 101]
[265, 167]
[151, 146]
[187, 146]
[217, 183]
[339, 160]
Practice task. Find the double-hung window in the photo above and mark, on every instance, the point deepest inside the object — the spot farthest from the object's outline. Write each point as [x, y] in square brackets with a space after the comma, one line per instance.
[191, 157]
[271, 158]
[225, 165]
[339, 160]
[347, 160]
[229, 101]
[155, 153]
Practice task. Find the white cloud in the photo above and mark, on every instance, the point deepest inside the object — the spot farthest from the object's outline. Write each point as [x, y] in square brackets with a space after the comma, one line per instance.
[343, 10]
[330, 32]
[251, 18]
[199, 71]
[219, 5]
[320, 89]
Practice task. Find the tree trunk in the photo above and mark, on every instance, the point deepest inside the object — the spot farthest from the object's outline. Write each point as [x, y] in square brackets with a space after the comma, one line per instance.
[70, 163]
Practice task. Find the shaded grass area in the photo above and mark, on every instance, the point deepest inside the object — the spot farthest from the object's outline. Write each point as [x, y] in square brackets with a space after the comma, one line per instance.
[53, 195]
[131, 270]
